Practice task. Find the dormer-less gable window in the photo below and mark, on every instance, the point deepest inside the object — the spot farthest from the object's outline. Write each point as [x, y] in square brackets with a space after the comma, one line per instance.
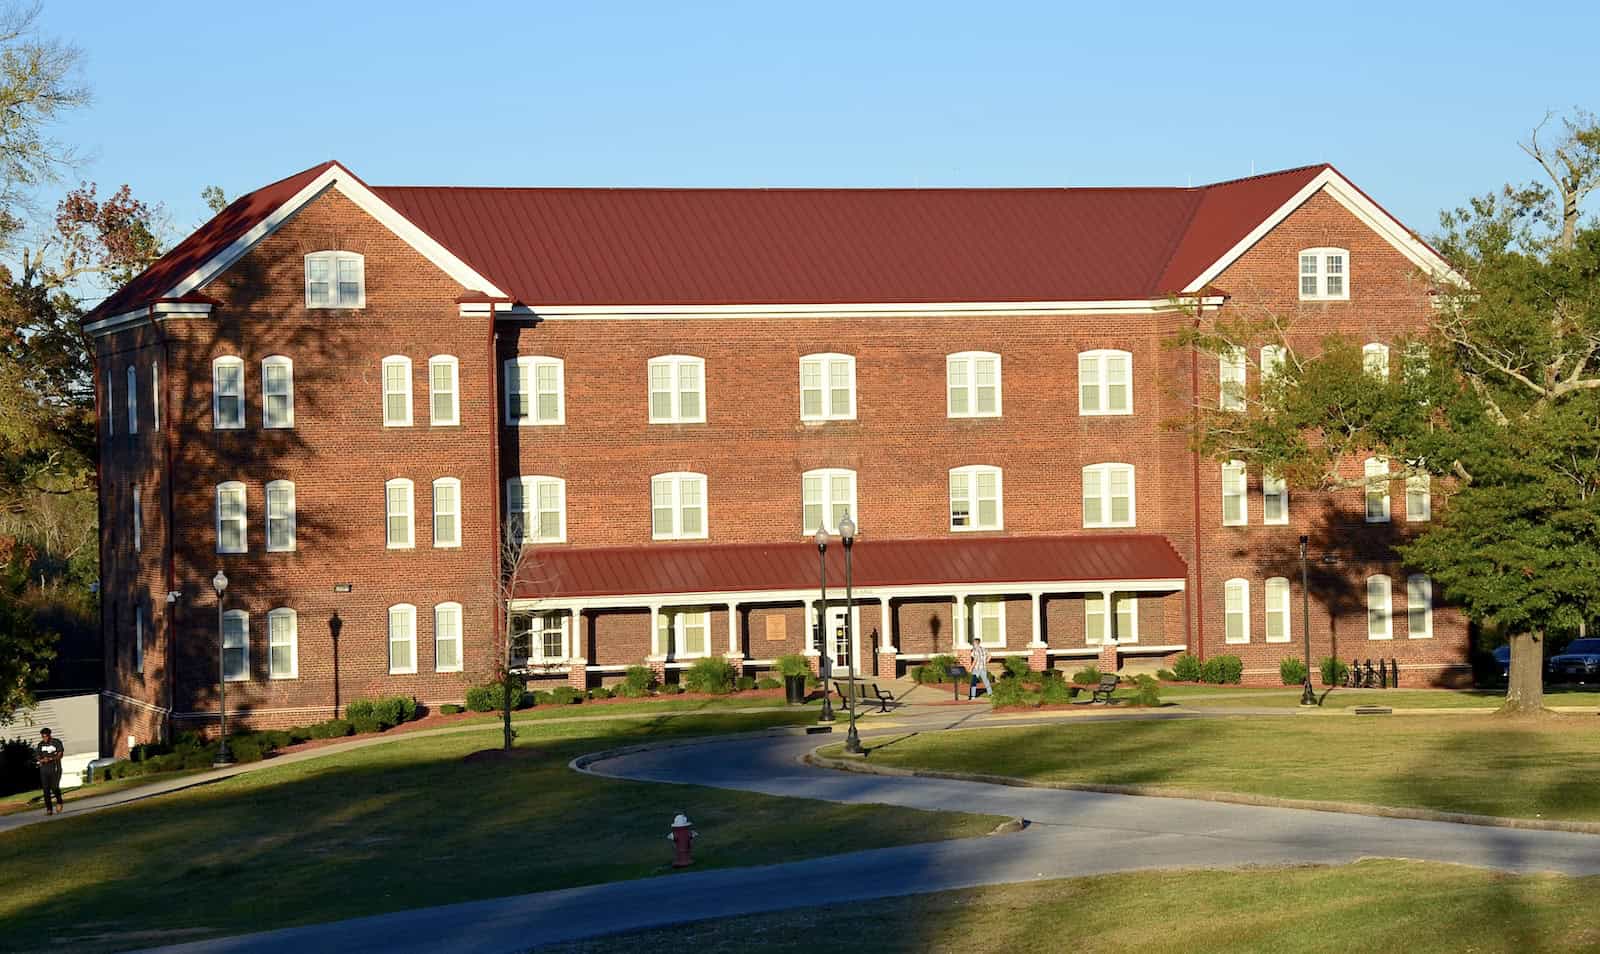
[1324, 274]
[336, 280]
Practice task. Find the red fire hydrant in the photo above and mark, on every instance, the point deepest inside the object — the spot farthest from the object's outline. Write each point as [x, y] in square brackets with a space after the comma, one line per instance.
[682, 838]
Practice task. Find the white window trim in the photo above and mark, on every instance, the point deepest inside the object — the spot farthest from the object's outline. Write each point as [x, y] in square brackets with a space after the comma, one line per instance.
[675, 620]
[529, 487]
[679, 478]
[513, 386]
[109, 412]
[1425, 482]
[1232, 369]
[1274, 486]
[409, 610]
[1371, 469]
[283, 361]
[1101, 359]
[974, 630]
[563, 622]
[1236, 470]
[826, 360]
[244, 616]
[383, 386]
[138, 638]
[283, 612]
[1273, 358]
[1387, 609]
[1244, 611]
[244, 515]
[970, 359]
[227, 360]
[411, 514]
[675, 362]
[827, 474]
[1321, 293]
[460, 637]
[1413, 583]
[293, 536]
[1287, 609]
[1105, 470]
[133, 399]
[1109, 613]
[155, 395]
[454, 484]
[445, 361]
[138, 522]
[971, 472]
[1375, 360]
[334, 256]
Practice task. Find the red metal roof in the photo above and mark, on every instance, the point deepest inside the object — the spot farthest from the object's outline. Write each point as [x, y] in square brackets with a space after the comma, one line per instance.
[557, 573]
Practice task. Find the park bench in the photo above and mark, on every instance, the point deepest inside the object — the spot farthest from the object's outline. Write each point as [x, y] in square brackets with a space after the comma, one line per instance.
[1102, 692]
[866, 691]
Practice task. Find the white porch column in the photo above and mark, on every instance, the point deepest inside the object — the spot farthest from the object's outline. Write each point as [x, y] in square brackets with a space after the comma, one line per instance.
[657, 651]
[1037, 599]
[885, 625]
[1111, 616]
[813, 628]
[958, 621]
[733, 631]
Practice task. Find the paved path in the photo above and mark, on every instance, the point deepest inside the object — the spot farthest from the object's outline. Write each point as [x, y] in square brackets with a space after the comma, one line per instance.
[1067, 836]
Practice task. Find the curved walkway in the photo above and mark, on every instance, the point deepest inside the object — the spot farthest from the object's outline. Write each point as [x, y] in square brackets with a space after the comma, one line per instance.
[1070, 834]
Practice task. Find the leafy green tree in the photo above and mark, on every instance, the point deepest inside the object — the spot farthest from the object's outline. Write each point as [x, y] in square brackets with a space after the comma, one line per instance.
[1496, 402]
[25, 648]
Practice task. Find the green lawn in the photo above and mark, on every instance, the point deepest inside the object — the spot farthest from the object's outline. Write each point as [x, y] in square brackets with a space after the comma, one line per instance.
[1482, 764]
[402, 825]
[1289, 697]
[1375, 906]
[29, 801]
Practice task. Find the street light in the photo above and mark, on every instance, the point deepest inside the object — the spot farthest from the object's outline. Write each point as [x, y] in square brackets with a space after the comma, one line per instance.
[224, 757]
[824, 659]
[847, 532]
[1308, 695]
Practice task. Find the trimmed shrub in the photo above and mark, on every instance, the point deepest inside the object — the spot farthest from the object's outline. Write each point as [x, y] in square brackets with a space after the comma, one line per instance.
[1292, 671]
[1222, 670]
[767, 682]
[938, 668]
[367, 724]
[1009, 692]
[599, 692]
[1333, 671]
[746, 683]
[299, 733]
[1017, 667]
[484, 698]
[1166, 675]
[450, 708]
[1147, 692]
[671, 689]
[1054, 692]
[712, 675]
[636, 682]
[1186, 668]
[565, 696]
[1088, 676]
[793, 664]
[332, 729]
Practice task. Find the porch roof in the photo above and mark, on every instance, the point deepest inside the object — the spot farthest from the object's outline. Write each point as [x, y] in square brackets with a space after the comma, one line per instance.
[568, 573]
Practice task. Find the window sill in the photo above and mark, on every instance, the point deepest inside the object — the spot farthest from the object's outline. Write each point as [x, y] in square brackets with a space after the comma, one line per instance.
[1083, 413]
[289, 678]
[530, 422]
[402, 672]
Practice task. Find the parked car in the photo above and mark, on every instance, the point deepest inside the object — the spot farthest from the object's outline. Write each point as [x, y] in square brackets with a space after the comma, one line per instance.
[1579, 662]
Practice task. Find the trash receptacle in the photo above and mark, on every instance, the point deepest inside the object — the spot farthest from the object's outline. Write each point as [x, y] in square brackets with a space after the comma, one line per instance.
[958, 679]
[794, 690]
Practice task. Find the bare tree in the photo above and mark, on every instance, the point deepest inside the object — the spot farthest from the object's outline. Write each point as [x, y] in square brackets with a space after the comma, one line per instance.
[516, 570]
[1572, 161]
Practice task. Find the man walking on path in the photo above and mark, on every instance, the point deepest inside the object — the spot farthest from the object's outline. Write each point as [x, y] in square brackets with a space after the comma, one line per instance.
[980, 669]
[50, 752]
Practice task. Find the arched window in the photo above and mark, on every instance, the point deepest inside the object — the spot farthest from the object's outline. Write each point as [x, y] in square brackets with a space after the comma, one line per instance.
[826, 495]
[447, 512]
[396, 391]
[1419, 606]
[1236, 611]
[1235, 494]
[1108, 495]
[537, 509]
[231, 509]
[155, 396]
[972, 384]
[399, 532]
[336, 279]
[1231, 379]
[133, 400]
[280, 516]
[1375, 471]
[277, 392]
[1277, 600]
[535, 391]
[975, 498]
[677, 389]
[678, 506]
[827, 387]
[1105, 382]
[447, 637]
[444, 387]
[283, 644]
[236, 645]
[402, 639]
[1375, 360]
[1324, 274]
[227, 393]
[1274, 500]
[1380, 608]
[1272, 360]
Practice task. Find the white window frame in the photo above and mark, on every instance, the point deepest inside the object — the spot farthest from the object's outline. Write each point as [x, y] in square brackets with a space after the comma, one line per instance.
[410, 541]
[528, 488]
[993, 607]
[133, 399]
[551, 621]
[398, 361]
[1239, 608]
[1375, 360]
[1380, 607]
[1106, 472]
[408, 612]
[1274, 488]
[454, 542]
[229, 486]
[293, 643]
[217, 364]
[155, 395]
[281, 485]
[138, 638]
[525, 370]
[1371, 469]
[826, 502]
[333, 257]
[1232, 379]
[1419, 488]
[675, 621]
[1419, 591]
[109, 412]
[277, 361]
[678, 480]
[973, 501]
[1273, 358]
[138, 522]
[825, 364]
[1321, 258]
[1122, 625]
[967, 363]
[1094, 377]
[454, 391]
[1235, 487]
[675, 363]
[1277, 589]
[243, 646]
[440, 610]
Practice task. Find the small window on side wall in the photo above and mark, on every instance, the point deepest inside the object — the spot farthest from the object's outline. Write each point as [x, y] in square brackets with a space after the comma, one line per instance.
[1324, 274]
[336, 280]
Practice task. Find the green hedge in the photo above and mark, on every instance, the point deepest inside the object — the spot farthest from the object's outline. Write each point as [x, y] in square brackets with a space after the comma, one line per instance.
[450, 708]
[1223, 670]
[745, 683]
[1087, 676]
[636, 682]
[1333, 671]
[767, 682]
[1186, 668]
[714, 675]
[1147, 692]
[1017, 667]
[599, 692]
[1292, 671]
[793, 664]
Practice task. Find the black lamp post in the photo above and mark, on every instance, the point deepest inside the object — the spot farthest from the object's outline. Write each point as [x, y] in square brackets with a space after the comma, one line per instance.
[224, 757]
[1308, 695]
[824, 658]
[847, 532]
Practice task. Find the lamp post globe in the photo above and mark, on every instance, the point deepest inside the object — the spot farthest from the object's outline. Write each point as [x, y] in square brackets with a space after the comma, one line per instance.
[825, 717]
[224, 757]
[847, 534]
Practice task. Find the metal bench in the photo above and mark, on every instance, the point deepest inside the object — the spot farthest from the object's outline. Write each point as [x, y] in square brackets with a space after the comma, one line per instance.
[1102, 692]
[868, 692]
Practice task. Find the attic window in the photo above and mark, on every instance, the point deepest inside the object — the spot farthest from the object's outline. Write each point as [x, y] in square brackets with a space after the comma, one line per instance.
[1324, 274]
[335, 280]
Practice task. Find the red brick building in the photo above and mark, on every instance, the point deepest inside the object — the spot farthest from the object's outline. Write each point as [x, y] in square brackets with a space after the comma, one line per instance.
[346, 397]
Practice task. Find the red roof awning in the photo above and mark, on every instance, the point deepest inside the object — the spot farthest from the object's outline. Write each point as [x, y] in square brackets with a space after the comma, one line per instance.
[561, 573]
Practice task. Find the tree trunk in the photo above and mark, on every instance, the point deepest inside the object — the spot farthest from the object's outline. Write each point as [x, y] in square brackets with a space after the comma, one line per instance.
[505, 692]
[1525, 686]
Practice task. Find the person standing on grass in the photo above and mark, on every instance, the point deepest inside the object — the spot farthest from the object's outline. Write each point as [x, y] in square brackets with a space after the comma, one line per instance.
[980, 669]
[50, 752]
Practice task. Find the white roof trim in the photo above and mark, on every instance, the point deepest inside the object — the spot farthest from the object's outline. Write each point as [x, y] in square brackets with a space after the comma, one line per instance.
[741, 597]
[337, 177]
[1361, 207]
[139, 315]
[975, 309]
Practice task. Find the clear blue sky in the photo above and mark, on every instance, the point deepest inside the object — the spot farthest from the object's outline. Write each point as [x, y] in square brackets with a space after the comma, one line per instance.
[1419, 103]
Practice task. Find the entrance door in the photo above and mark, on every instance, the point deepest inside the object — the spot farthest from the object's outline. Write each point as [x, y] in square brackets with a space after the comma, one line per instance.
[834, 642]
